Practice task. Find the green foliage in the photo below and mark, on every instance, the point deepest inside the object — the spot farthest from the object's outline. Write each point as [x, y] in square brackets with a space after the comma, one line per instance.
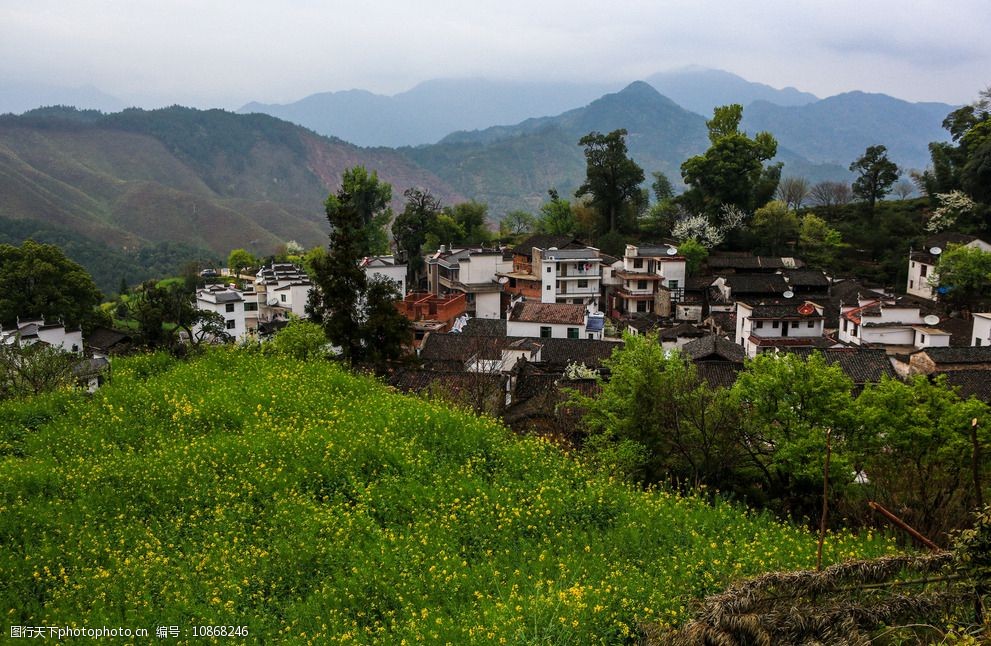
[336, 510]
[34, 368]
[239, 259]
[300, 339]
[163, 310]
[556, 217]
[789, 404]
[471, 220]
[732, 170]
[612, 179]
[661, 186]
[445, 231]
[875, 175]
[695, 254]
[37, 280]
[411, 227]
[916, 449]
[818, 243]
[386, 333]
[368, 198]
[612, 243]
[775, 229]
[517, 224]
[967, 272]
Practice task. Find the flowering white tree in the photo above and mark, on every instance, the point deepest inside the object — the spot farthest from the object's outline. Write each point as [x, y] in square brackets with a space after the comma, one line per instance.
[697, 227]
[952, 206]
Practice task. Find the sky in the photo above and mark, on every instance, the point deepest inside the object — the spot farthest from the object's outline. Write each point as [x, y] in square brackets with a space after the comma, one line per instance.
[225, 53]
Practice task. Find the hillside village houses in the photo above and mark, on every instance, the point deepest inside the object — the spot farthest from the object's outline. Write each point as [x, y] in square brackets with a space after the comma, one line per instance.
[922, 263]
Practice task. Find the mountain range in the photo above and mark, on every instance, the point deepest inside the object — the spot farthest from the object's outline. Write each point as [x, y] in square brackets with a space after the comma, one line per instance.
[207, 181]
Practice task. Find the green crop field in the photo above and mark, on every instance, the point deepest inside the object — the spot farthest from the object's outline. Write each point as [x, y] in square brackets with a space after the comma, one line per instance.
[312, 505]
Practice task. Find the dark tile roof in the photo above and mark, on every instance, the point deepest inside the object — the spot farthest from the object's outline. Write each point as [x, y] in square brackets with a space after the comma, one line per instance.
[698, 283]
[849, 291]
[862, 365]
[746, 260]
[805, 278]
[783, 310]
[532, 312]
[544, 241]
[961, 331]
[485, 327]
[970, 383]
[459, 347]
[103, 338]
[981, 354]
[756, 284]
[713, 346]
[418, 381]
[591, 352]
[725, 321]
[718, 374]
[681, 331]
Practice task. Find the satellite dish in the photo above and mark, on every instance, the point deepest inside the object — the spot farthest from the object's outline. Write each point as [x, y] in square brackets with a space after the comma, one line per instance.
[503, 280]
[551, 248]
[806, 309]
[672, 251]
[273, 301]
[789, 294]
[935, 251]
[931, 319]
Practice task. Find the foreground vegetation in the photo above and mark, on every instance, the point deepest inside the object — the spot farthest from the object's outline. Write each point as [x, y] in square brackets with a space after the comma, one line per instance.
[304, 502]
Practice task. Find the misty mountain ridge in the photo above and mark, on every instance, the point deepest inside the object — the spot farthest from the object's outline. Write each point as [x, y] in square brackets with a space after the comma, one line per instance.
[17, 97]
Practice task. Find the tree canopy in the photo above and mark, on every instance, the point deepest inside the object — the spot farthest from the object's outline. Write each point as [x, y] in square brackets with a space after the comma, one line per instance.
[875, 175]
[38, 281]
[612, 178]
[966, 274]
[732, 170]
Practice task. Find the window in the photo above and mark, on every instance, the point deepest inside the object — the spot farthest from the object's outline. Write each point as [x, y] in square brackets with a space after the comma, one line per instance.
[774, 324]
[230, 307]
[845, 322]
[550, 269]
[283, 297]
[811, 324]
[641, 306]
[673, 284]
[977, 341]
[794, 325]
[758, 324]
[638, 263]
[548, 288]
[923, 338]
[251, 307]
[641, 284]
[911, 284]
[572, 333]
[231, 324]
[582, 284]
[923, 269]
[545, 331]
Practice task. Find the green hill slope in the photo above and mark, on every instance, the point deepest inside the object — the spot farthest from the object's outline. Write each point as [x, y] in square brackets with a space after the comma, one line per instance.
[311, 505]
[211, 179]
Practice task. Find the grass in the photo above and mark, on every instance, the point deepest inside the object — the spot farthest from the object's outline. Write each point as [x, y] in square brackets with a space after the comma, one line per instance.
[312, 505]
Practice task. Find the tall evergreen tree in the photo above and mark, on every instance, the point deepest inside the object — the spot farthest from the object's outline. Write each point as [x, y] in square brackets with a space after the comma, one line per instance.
[612, 179]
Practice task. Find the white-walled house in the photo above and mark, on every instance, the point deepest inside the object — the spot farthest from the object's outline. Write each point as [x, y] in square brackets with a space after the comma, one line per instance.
[922, 263]
[37, 331]
[652, 277]
[555, 269]
[233, 305]
[763, 327]
[981, 334]
[474, 272]
[891, 323]
[548, 320]
[386, 267]
[281, 289]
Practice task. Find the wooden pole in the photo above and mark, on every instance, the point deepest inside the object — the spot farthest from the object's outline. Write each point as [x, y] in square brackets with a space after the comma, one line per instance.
[905, 526]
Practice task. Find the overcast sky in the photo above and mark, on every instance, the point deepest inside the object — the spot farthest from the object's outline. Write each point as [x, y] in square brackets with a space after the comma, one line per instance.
[224, 53]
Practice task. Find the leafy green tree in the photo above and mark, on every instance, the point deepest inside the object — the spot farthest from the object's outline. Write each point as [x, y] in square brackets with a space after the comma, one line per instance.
[612, 179]
[556, 217]
[411, 227]
[732, 170]
[775, 227]
[790, 404]
[875, 175]
[917, 451]
[661, 186]
[471, 219]
[655, 399]
[966, 272]
[358, 316]
[445, 231]
[240, 259]
[369, 198]
[34, 368]
[38, 281]
[300, 339]
[163, 311]
[695, 254]
[818, 243]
